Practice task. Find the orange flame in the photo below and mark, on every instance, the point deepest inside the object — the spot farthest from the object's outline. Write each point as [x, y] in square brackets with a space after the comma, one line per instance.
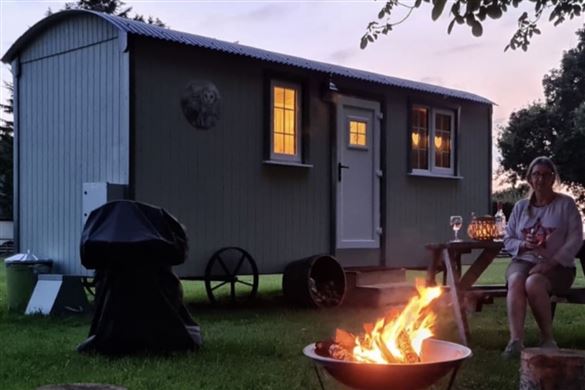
[395, 338]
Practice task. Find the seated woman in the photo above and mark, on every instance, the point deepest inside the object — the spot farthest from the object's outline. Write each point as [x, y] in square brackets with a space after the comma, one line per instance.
[543, 236]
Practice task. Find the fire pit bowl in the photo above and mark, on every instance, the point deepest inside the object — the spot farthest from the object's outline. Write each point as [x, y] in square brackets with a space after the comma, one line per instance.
[439, 357]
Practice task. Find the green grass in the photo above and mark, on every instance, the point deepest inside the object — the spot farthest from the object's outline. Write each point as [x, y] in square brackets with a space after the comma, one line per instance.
[248, 347]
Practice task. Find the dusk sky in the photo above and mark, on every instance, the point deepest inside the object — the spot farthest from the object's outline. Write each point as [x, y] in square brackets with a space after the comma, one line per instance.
[330, 31]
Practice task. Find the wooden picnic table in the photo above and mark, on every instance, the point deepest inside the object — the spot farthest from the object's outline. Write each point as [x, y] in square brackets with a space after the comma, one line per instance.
[446, 257]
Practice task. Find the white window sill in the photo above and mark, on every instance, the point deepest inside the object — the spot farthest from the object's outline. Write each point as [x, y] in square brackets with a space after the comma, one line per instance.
[287, 163]
[435, 175]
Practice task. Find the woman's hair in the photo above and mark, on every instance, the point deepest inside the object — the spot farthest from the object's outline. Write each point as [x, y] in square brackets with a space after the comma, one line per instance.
[541, 160]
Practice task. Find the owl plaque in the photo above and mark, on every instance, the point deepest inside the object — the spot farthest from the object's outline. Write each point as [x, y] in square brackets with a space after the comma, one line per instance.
[201, 104]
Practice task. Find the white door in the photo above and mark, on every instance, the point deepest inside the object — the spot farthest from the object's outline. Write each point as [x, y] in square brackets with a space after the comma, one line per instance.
[358, 174]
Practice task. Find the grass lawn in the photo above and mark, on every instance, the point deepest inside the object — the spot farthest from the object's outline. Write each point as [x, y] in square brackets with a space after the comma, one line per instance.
[248, 347]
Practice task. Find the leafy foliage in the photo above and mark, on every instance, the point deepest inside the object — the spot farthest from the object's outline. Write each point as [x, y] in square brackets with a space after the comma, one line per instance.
[6, 153]
[112, 7]
[474, 13]
[106, 6]
[508, 198]
[554, 128]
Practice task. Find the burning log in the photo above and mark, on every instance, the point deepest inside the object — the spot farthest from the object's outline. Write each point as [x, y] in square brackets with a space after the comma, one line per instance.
[331, 349]
[336, 351]
[345, 339]
[386, 352]
[405, 346]
[322, 347]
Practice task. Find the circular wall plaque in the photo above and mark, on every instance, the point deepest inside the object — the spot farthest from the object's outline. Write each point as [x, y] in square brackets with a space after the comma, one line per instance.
[201, 104]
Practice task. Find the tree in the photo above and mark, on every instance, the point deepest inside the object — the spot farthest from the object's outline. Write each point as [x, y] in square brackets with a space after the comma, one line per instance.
[113, 7]
[555, 127]
[508, 197]
[475, 12]
[6, 153]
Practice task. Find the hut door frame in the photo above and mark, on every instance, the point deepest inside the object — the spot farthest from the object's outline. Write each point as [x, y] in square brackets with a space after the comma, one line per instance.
[358, 175]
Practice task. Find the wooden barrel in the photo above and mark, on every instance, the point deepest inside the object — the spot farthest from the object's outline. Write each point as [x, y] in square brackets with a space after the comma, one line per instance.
[317, 281]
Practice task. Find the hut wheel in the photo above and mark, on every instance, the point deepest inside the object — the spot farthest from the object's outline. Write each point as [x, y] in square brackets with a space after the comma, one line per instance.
[231, 273]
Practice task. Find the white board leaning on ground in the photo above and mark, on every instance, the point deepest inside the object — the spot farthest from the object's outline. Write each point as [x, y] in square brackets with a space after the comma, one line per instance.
[6, 231]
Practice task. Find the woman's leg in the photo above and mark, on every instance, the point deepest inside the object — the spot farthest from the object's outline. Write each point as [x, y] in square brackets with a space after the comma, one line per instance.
[538, 291]
[539, 287]
[516, 305]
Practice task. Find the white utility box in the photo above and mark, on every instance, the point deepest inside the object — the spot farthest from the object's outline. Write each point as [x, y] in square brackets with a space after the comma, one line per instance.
[97, 194]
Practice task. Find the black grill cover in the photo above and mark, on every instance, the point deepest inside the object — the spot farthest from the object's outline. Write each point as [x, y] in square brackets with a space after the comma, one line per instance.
[139, 300]
[128, 231]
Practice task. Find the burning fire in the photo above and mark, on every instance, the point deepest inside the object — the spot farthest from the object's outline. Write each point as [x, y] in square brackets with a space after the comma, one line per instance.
[397, 337]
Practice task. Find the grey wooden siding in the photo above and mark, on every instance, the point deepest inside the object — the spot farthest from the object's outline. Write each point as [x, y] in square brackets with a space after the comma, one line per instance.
[418, 208]
[214, 181]
[72, 128]
[70, 34]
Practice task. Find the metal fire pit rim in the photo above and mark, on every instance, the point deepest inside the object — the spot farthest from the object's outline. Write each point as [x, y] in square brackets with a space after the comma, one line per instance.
[309, 351]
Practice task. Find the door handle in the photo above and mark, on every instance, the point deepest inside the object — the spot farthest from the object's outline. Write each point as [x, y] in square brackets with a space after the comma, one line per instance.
[340, 166]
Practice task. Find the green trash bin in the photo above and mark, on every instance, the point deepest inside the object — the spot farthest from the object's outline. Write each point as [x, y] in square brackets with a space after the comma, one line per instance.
[21, 278]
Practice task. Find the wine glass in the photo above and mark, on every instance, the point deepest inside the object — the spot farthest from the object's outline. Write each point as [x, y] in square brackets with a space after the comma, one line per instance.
[456, 221]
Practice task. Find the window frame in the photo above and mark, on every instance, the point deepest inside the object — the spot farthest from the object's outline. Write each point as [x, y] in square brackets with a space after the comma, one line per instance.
[432, 167]
[298, 156]
[433, 170]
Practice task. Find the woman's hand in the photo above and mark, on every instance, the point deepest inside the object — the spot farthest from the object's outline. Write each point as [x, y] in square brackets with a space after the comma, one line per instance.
[531, 242]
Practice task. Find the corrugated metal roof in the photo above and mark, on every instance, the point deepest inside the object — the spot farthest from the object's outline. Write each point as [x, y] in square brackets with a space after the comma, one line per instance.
[152, 31]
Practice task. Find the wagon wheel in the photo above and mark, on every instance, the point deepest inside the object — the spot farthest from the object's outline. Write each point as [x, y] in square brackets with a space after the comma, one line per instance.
[231, 272]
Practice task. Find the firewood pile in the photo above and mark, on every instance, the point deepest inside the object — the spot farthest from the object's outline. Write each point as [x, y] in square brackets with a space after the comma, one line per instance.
[324, 293]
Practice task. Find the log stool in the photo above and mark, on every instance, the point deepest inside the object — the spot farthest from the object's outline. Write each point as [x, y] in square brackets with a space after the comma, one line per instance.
[552, 369]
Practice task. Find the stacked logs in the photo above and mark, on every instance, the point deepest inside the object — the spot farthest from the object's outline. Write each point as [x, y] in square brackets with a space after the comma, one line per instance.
[325, 294]
[341, 347]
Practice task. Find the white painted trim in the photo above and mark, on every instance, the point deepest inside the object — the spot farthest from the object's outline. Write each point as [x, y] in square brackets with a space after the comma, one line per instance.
[433, 175]
[375, 143]
[287, 163]
[433, 170]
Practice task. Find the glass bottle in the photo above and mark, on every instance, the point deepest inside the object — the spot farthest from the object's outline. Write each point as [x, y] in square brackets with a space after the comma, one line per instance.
[500, 218]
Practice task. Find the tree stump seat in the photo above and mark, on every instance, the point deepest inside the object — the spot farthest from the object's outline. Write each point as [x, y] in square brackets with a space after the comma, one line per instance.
[552, 369]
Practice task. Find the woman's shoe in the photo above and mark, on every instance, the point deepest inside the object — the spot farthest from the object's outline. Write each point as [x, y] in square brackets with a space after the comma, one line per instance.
[513, 350]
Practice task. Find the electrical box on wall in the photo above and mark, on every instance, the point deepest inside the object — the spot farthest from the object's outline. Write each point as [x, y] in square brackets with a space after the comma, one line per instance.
[97, 194]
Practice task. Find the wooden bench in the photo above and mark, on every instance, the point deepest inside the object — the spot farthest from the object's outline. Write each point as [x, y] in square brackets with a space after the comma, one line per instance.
[574, 295]
[478, 296]
[481, 295]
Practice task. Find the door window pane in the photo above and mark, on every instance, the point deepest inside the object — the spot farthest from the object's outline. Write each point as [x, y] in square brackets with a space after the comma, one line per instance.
[357, 133]
[443, 129]
[419, 138]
